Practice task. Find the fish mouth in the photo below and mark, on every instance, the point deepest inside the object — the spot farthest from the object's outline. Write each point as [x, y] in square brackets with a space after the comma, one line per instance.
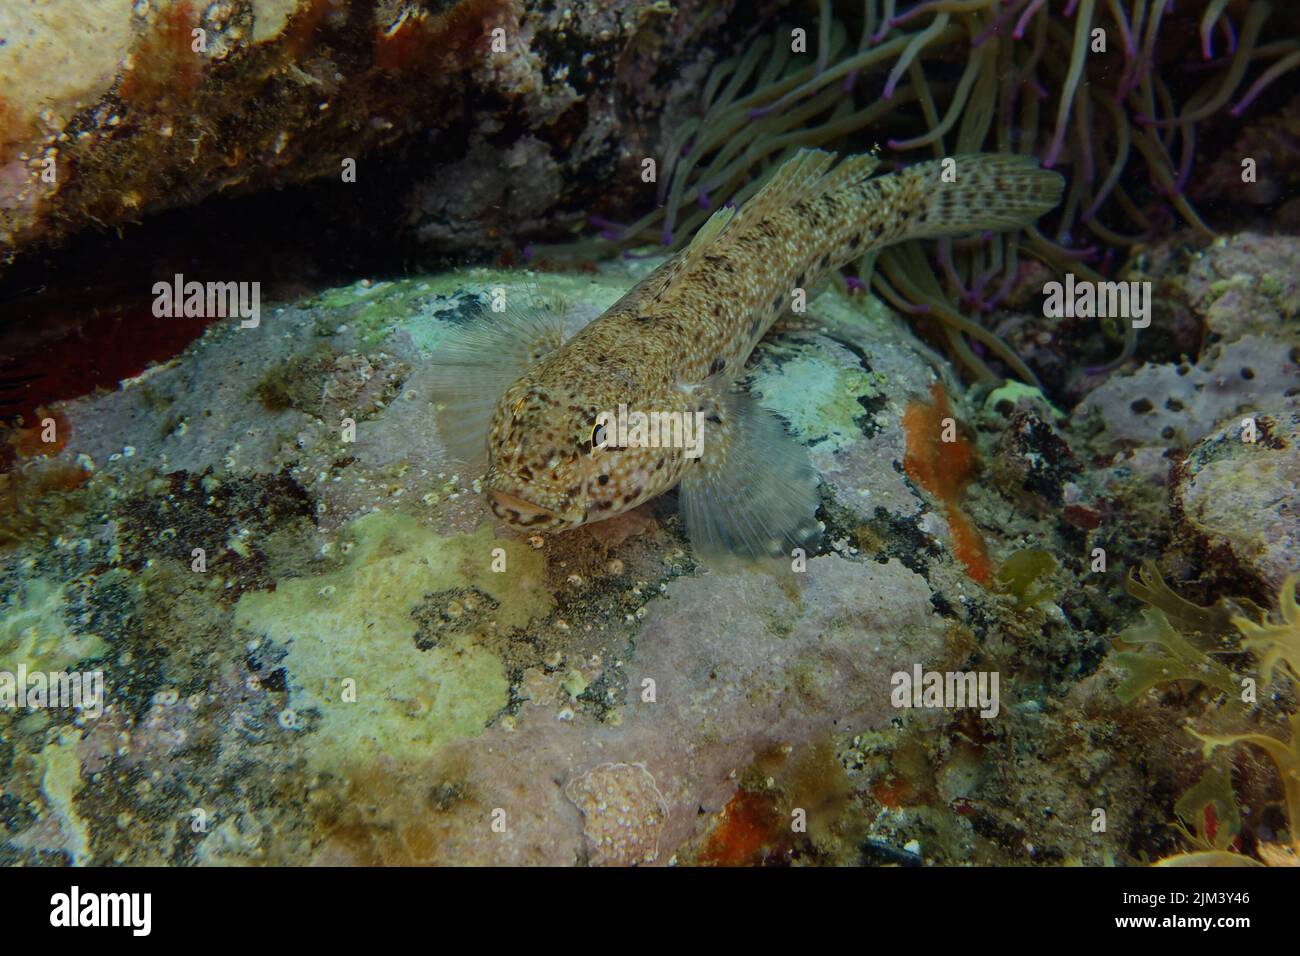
[519, 511]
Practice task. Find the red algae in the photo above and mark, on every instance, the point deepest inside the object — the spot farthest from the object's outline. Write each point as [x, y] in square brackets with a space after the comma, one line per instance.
[12, 129]
[406, 43]
[748, 827]
[101, 348]
[418, 42]
[166, 66]
[944, 469]
[33, 500]
[29, 442]
[896, 792]
[300, 35]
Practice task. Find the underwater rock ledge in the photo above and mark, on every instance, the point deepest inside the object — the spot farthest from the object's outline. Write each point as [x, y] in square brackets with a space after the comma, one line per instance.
[329, 556]
[290, 588]
[159, 104]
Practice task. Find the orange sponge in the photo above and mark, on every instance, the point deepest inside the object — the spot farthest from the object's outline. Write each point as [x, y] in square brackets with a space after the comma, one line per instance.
[944, 469]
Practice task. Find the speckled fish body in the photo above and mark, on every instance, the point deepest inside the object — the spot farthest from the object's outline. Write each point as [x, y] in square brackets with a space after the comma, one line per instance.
[677, 341]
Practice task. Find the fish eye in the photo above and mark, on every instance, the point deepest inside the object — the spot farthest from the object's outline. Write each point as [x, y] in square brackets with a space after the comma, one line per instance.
[595, 440]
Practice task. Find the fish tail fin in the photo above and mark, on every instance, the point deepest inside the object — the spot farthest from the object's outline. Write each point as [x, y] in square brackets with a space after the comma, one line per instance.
[976, 192]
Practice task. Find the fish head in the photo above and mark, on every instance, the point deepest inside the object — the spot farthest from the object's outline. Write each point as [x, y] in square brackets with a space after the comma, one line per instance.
[554, 461]
[536, 475]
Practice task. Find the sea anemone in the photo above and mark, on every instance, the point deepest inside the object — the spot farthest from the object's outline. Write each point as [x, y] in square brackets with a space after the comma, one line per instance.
[1083, 84]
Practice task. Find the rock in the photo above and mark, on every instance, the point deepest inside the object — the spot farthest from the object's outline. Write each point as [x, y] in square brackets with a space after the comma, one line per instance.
[349, 637]
[1237, 499]
[111, 110]
[1032, 464]
[1175, 405]
[1241, 296]
[1268, 138]
[1247, 283]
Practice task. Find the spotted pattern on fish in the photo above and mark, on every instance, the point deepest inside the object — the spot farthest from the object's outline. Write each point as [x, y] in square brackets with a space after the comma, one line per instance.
[678, 340]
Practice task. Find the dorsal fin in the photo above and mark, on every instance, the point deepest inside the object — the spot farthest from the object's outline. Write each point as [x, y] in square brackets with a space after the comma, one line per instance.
[807, 174]
[852, 170]
[798, 176]
[708, 233]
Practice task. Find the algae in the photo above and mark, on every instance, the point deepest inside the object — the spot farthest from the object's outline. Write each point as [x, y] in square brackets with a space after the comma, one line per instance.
[820, 402]
[34, 632]
[60, 781]
[1168, 656]
[1026, 575]
[1276, 642]
[360, 678]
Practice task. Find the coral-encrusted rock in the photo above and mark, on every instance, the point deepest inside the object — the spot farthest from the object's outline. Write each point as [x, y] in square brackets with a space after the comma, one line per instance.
[1175, 405]
[1242, 296]
[1239, 499]
[1033, 464]
[622, 811]
[112, 109]
[1244, 283]
[364, 561]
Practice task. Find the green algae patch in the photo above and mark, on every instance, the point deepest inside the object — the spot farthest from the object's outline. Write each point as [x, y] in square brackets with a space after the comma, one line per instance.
[825, 401]
[60, 770]
[423, 306]
[820, 401]
[856, 318]
[361, 681]
[34, 631]
[1026, 576]
[1014, 393]
[373, 310]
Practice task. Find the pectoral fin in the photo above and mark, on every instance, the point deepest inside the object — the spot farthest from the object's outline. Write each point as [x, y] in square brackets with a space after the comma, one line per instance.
[477, 362]
[753, 492]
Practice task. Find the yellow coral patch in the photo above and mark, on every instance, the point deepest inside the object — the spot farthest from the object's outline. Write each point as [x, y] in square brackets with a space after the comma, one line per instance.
[351, 640]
